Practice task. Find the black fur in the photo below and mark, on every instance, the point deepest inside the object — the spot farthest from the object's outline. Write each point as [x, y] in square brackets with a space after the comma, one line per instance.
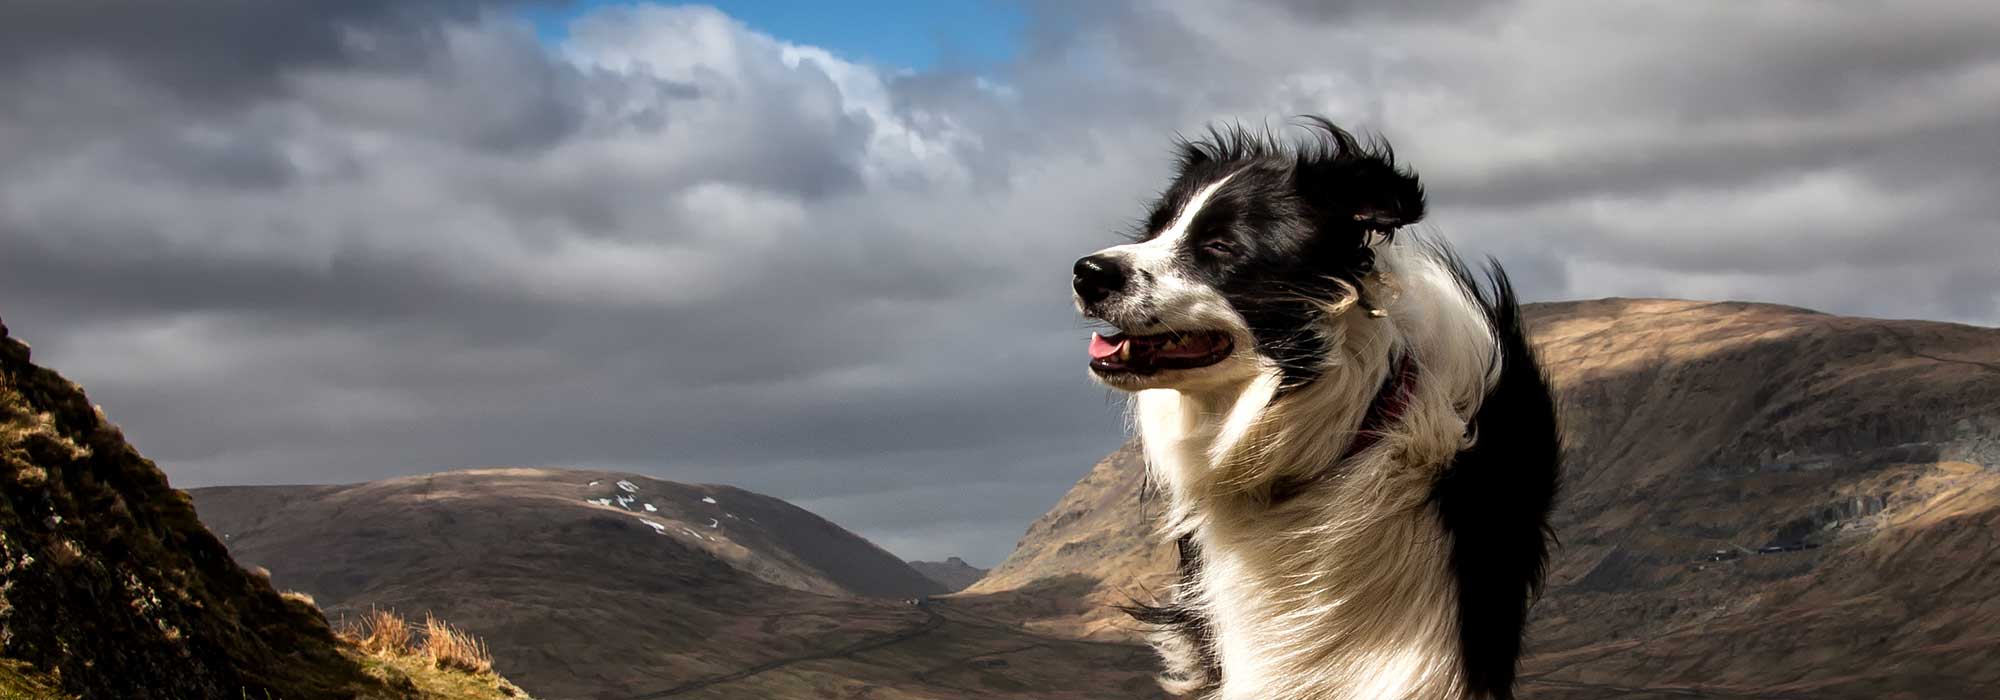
[1286, 235]
[1289, 231]
[1494, 498]
[1177, 617]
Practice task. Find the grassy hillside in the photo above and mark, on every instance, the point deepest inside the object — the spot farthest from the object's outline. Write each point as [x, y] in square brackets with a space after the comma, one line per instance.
[111, 588]
[598, 585]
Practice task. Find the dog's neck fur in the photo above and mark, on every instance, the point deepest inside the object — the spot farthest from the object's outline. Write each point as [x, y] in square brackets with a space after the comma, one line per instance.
[1341, 591]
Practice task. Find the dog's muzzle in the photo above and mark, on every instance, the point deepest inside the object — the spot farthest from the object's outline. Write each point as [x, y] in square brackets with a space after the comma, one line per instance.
[1097, 277]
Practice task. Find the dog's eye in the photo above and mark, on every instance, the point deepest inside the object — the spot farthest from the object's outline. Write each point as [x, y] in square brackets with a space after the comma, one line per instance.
[1222, 248]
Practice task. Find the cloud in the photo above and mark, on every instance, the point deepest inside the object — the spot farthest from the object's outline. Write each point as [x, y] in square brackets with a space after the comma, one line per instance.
[218, 49]
[290, 242]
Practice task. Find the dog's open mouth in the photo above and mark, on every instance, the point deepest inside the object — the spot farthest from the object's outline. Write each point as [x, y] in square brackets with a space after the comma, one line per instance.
[1146, 354]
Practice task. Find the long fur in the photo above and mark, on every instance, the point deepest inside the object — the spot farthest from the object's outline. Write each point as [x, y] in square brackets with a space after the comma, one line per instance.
[1318, 567]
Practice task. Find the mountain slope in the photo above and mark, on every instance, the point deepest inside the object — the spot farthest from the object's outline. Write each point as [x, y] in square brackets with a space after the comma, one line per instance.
[1865, 454]
[582, 591]
[110, 587]
[282, 526]
[1100, 536]
[952, 573]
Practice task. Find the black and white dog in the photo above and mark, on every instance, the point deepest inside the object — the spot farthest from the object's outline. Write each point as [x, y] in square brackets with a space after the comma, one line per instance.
[1356, 448]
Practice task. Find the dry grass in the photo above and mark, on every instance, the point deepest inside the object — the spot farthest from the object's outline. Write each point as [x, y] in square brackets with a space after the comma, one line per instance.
[20, 681]
[383, 632]
[454, 648]
[65, 553]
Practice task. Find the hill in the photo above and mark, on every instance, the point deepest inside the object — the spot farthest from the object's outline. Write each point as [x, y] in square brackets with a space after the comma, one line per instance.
[952, 573]
[603, 585]
[1762, 501]
[110, 587]
[341, 529]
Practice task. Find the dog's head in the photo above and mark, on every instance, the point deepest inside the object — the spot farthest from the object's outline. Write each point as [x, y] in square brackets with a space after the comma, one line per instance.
[1243, 258]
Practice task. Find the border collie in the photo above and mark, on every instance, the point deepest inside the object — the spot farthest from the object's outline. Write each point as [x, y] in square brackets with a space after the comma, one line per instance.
[1356, 449]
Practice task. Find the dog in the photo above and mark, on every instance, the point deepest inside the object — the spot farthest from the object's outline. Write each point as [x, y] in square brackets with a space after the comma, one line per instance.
[1356, 448]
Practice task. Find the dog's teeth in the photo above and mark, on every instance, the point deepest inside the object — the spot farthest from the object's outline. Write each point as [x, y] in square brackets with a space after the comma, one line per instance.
[1124, 352]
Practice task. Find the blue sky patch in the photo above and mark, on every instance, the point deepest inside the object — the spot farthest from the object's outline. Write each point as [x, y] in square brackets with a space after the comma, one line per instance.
[956, 34]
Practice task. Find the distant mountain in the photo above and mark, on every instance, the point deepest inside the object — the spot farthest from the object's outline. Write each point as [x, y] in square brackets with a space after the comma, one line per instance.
[110, 587]
[604, 585]
[1762, 501]
[334, 528]
[952, 573]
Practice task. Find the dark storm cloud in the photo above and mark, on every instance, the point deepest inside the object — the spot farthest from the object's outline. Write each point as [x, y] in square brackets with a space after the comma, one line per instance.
[221, 48]
[303, 241]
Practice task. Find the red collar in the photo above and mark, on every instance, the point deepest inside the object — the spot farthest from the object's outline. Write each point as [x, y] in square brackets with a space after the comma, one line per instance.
[1390, 403]
[1386, 409]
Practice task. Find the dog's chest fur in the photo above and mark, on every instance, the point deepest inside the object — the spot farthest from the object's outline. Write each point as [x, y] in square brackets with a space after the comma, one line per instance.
[1322, 573]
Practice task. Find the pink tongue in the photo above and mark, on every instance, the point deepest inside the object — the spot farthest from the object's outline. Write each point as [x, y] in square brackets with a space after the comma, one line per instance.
[1101, 348]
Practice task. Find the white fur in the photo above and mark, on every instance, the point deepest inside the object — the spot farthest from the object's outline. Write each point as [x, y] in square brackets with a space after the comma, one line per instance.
[1343, 592]
[1179, 303]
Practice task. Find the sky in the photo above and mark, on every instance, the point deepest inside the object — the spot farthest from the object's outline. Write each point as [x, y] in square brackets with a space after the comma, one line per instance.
[823, 253]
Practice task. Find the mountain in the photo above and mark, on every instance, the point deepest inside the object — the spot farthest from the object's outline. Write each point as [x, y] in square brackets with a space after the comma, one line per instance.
[1761, 501]
[341, 529]
[603, 585]
[1098, 540]
[952, 573]
[110, 587]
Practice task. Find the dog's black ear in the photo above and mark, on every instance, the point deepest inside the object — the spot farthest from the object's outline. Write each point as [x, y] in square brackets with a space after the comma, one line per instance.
[1346, 181]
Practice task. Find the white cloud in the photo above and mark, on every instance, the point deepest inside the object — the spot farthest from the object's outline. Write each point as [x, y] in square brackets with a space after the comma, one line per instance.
[678, 245]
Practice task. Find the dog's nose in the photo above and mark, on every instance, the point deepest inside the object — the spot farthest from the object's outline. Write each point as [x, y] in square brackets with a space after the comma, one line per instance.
[1097, 277]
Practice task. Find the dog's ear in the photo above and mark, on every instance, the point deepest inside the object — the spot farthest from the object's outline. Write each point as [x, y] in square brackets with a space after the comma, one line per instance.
[1370, 192]
[1345, 181]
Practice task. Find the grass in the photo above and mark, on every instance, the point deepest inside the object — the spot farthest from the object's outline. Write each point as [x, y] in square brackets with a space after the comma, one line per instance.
[454, 648]
[19, 681]
[381, 632]
[440, 660]
[436, 660]
[113, 588]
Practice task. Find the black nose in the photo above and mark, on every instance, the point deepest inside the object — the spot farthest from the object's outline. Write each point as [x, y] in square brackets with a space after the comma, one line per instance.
[1097, 277]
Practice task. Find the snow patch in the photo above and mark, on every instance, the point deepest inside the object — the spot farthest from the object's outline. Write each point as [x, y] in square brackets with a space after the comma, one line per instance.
[713, 523]
[598, 501]
[707, 500]
[662, 529]
[626, 502]
[627, 486]
[651, 509]
[594, 482]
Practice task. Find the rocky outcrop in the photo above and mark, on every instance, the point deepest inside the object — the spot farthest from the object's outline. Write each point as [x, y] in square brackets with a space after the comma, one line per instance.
[112, 587]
